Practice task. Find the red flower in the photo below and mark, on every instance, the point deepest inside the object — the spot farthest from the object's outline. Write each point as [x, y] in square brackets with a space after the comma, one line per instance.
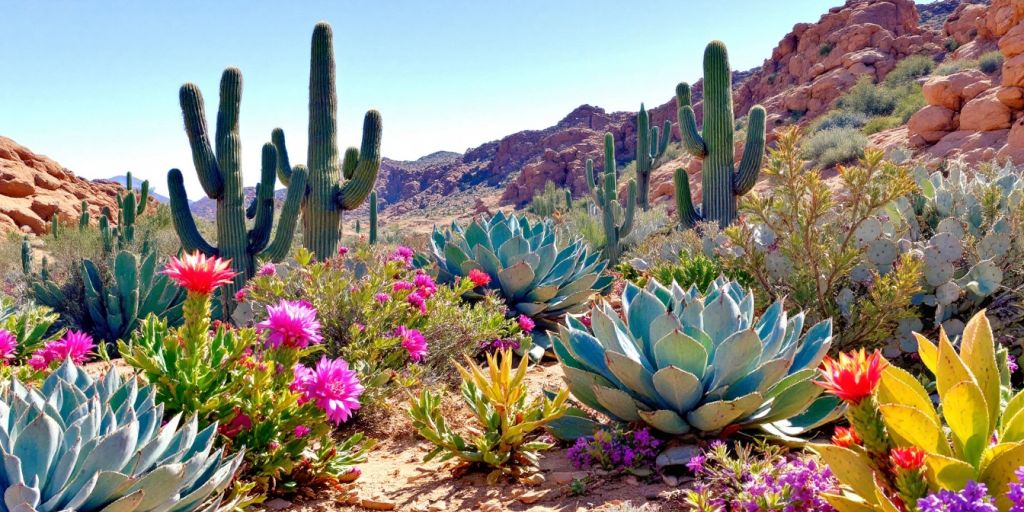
[479, 278]
[199, 274]
[909, 459]
[854, 376]
[845, 437]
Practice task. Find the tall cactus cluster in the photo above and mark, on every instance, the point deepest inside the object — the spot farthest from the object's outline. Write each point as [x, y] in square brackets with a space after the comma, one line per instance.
[616, 220]
[83, 218]
[651, 144]
[220, 174]
[722, 180]
[373, 217]
[129, 208]
[327, 195]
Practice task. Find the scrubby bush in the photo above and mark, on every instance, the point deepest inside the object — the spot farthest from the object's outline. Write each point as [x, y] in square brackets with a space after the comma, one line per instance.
[835, 146]
[990, 62]
[837, 119]
[869, 99]
[954, 66]
[910, 69]
[879, 124]
[549, 200]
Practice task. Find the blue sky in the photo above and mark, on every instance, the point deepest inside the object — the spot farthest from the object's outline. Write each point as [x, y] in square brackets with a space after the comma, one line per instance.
[94, 84]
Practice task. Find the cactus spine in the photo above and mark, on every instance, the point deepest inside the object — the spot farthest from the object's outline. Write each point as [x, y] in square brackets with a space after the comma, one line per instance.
[722, 180]
[373, 217]
[219, 169]
[651, 145]
[616, 221]
[327, 197]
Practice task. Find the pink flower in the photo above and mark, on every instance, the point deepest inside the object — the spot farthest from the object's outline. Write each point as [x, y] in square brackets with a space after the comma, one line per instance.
[479, 277]
[240, 295]
[8, 343]
[402, 286]
[301, 431]
[526, 323]
[75, 345]
[342, 250]
[425, 284]
[361, 326]
[382, 297]
[331, 385]
[240, 423]
[403, 254]
[412, 341]
[199, 274]
[417, 301]
[268, 269]
[292, 324]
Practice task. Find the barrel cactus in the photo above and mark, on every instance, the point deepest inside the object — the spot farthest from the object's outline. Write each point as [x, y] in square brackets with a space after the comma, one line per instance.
[87, 445]
[698, 364]
[723, 181]
[537, 277]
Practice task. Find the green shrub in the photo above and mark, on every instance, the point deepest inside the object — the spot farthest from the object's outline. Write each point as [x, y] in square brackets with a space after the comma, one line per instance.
[548, 201]
[990, 62]
[954, 66]
[836, 146]
[951, 45]
[910, 69]
[869, 99]
[837, 119]
[878, 124]
[910, 99]
[826, 49]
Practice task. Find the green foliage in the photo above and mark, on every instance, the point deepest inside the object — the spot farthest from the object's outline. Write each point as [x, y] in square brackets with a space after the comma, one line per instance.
[616, 219]
[955, 66]
[910, 69]
[834, 119]
[55, 454]
[697, 270]
[505, 419]
[951, 45]
[826, 49]
[30, 324]
[834, 146]
[990, 62]
[869, 99]
[359, 327]
[803, 242]
[548, 201]
[691, 363]
[878, 124]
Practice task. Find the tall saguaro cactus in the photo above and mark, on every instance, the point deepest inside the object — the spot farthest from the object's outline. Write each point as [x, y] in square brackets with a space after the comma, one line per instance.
[651, 145]
[327, 197]
[722, 180]
[373, 217]
[616, 221]
[219, 167]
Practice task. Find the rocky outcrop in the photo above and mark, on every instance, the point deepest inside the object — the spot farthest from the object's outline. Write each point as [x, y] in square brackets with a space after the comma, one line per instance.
[33, 188]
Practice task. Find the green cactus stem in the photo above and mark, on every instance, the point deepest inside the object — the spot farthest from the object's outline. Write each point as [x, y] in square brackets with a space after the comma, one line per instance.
[220, 175]
[373, 217]
[26, 256]
[83, 218]
[359, 227]
[568, 200]
[616, 221]
[651, 145]
[106, 234]
[327, 196]
[723, 182]
[55, 225]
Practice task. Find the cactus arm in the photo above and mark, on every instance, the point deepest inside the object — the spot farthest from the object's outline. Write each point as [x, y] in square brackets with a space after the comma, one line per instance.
[692, 140]
[284, 168]
[184, 224]
[205, 160]
[143, 197]
[373, 218]
[364, 174]
[259, 236]
[627, 222]
[753, 153]
[688, 217]
[278, 249]
[593, 187]
[250, 211]
[83, 219]
[349, 162]
[666, 137]
[646, 142]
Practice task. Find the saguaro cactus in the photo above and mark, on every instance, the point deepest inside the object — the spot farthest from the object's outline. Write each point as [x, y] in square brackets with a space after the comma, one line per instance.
[83, 218]
[373, 217]
[26, 256]
[55, 225]
[722, 181]
[327, 197]
[616, 221]
[651, 145]
[220, 174]
[129, 207]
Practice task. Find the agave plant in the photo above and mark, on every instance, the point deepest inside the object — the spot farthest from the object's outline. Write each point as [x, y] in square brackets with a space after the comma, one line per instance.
[691, 363]
[526, 266]
[79, 444]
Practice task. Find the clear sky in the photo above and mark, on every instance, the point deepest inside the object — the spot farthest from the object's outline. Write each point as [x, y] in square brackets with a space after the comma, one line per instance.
[94, 84]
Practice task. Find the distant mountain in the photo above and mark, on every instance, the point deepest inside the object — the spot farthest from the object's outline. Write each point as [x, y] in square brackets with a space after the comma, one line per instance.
[122, 180]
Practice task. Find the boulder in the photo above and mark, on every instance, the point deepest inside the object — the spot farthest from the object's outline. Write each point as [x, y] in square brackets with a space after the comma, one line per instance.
[985, 113]
[931, 124]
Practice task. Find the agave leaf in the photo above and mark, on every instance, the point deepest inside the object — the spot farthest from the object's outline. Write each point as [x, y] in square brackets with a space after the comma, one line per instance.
[36, 447]
[666, 421]
[679, 350]
[714, 416]
[488, 260]
[735, 357]
[515, 280]
[618, 402]
[638, 380]
[677, 388]
[817, 341]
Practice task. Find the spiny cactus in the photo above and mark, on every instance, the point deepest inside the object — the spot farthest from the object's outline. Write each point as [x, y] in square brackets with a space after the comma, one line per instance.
[616, 221]
[651, 145]
[373, 217]
[326, 197]
[55, 225]
[83, 219]
[26, 256]
[129, 207]
[722, 181]
[220, 174]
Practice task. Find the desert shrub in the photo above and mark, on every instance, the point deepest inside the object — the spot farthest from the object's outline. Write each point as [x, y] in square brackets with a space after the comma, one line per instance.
[548, 201]
[951, 45]
[762, 477]
[502, 439]
[835, 146]
[869, 99]
[910, 99]
[990, 62]
[252, 382]
[837, 119]
[954, 66]
[826, 49]
[646, 223]
[696, 270]
[878, 124]
[801, 242]
[392, 322]
[910, 69]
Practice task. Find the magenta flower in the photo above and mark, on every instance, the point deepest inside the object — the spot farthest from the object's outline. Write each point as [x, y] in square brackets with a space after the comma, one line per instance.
[401, 286]
[417, 300]
[526, 323]
[382, 297]
[75, 345]
[413, 341]
[292, 324]
[403, 254]
[301, 431]
[342, 250]
[240, 295]
[8, 343]
[425, 285]
[332, 386]
[268, 269]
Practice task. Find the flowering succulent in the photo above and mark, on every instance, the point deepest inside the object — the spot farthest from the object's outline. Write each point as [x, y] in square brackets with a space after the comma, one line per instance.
[331, 385]
[75, 345]
[634, 451]
[853, 376]
[8, 345]
[268, 269]
[845, 437]
[479, 278]
[404, 255]
[413, 342]
[291, 323]
[198, 273]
